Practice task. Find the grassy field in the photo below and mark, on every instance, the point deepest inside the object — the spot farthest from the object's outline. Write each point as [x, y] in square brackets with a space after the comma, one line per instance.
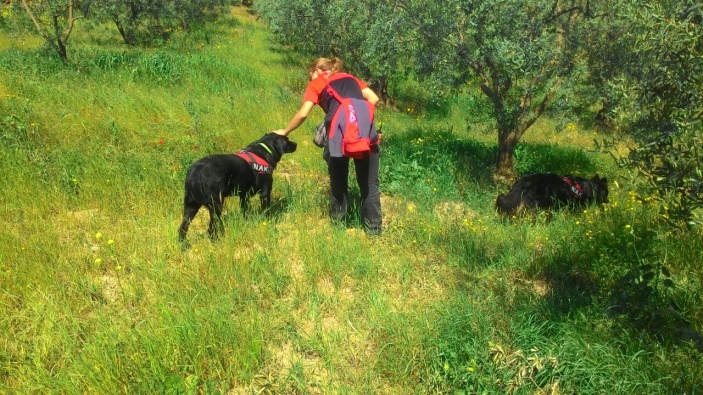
[97, 297]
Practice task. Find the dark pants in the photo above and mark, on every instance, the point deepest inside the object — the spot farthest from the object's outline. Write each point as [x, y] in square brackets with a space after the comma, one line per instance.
[367, 177]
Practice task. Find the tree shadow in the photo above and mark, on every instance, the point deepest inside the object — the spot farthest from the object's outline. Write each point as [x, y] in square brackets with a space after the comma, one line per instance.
[277, 209]
[569, 287]
[547, 158]
[421, 154]
[431, 154]
[353, 219]
[232, 216]
[637, 296]
[289, 58]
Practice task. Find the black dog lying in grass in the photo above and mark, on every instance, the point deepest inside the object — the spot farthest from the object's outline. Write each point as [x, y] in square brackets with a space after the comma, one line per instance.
[246, 173]
[549, 191]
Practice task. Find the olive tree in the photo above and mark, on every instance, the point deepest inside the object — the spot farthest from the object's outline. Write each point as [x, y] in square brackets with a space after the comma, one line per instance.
[149, 21]
[656, 97]
[521, 53]
[368, 36]
[54, 21]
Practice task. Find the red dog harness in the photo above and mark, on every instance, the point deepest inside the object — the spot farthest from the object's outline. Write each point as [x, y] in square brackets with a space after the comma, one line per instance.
[575, 188]
[258, 165]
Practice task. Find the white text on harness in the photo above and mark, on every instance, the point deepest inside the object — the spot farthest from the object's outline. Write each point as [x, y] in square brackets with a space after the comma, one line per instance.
[259, 167]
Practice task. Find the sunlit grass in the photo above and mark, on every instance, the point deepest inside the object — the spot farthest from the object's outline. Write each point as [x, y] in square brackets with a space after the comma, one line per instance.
[98, 296]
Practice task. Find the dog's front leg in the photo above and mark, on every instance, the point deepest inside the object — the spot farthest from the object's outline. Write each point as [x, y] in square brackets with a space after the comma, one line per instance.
[266, 194]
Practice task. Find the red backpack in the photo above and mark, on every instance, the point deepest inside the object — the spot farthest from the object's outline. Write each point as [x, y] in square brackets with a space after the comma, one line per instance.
[354, 119]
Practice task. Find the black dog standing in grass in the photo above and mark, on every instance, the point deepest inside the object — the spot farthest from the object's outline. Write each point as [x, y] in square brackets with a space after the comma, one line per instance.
[246, 173]
[550, 191]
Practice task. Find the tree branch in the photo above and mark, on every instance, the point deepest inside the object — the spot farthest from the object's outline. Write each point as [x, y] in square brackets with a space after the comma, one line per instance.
[71, 21]
[39, 27]
[551, 18]
[488, 91]
[529, 121]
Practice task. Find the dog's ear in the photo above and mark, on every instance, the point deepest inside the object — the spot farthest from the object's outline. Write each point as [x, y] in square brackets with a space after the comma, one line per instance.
[291, 146]
[601, 180]
[597, 178]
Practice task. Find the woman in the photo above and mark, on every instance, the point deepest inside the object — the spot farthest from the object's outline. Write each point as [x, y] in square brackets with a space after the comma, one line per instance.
[347, 86]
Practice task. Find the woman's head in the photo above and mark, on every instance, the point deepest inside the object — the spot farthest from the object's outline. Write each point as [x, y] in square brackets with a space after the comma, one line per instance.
[329, 66]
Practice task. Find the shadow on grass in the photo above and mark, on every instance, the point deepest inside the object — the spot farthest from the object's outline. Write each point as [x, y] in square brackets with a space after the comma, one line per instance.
[621, 277]
[419, 155]
[581, 273]
[452, 162]
[609, 289]
[545, 158]
[232, 217]
[569, 288]
[277, 209]
[291, 59]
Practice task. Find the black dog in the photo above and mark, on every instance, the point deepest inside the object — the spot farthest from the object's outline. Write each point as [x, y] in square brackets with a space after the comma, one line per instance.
[547, 191]
[246, 173]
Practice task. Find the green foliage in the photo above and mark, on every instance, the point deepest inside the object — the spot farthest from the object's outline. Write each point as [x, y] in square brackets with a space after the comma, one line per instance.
[521, 54]
[644, 294]
[669, 170]
[366, 35]
[142, 22]
[659, 80]
[657, 99]
[8, 16]
[138, 22]
[54, 21]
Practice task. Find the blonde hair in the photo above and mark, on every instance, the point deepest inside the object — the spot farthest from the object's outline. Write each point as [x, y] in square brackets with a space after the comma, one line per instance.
[332, 65]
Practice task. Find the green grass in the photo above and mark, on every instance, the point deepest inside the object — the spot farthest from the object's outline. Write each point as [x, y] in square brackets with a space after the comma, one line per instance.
[96, 295]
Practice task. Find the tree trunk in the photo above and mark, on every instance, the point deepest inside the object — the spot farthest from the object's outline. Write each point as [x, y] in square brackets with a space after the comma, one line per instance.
[126, 33]
[505, 162]
[380, 87]
[61, 50]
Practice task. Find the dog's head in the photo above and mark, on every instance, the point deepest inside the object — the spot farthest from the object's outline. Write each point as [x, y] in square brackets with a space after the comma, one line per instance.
[281, 144]
[272, 146]
[600, 189]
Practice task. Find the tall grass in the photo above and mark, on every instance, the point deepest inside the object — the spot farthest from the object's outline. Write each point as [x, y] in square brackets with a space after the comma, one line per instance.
[98, 297]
